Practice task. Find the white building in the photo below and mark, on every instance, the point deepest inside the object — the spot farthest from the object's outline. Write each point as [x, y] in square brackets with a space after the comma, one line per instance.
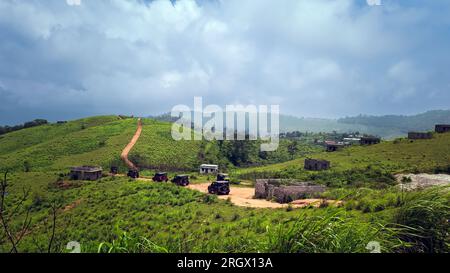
[208, 168]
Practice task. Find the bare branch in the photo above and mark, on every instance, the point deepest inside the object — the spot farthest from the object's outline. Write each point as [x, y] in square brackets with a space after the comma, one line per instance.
[54, 211]
[11, 238]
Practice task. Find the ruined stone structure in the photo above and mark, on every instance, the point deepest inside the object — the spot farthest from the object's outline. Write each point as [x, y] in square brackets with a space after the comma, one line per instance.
[369, 140]
[420, 135]
[334, 147]
[86, 173]
[275, 189]
[442, 128]
[316, 164]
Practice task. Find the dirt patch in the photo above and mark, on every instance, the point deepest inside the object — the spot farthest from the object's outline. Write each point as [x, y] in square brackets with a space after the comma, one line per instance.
[423, 180]
[243, 197]
[72, 206]
[65, 185]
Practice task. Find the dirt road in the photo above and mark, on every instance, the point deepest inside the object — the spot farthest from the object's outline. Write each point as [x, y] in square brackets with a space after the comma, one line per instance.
[423, 180]
[130, 146]
[243, 197]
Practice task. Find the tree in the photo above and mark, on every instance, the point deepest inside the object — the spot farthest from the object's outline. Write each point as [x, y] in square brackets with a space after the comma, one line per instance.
[7, 215]
[292, 148]
[13, 236]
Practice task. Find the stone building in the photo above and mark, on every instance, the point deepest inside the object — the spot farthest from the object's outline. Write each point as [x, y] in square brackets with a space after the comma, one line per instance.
[442, 128]
[86, 173]
[275, 189]
[316, 164]
[420, 135]
[334, 147]
[370, 140]
[209, 168]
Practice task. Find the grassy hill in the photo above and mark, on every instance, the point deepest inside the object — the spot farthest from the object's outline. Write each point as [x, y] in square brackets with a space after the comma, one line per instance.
[55, 147]
[120, 215]
[157, 150]
[379, 161]
[94, 141]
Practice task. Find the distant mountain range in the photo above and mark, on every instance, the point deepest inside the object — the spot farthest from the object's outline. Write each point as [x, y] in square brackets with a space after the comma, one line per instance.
[388, 126]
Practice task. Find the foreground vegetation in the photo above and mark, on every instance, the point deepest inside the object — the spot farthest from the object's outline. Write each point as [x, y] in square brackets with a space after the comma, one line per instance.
[119, 215]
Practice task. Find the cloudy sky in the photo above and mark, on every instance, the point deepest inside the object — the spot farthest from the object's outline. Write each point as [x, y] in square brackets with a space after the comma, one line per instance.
[63, 59]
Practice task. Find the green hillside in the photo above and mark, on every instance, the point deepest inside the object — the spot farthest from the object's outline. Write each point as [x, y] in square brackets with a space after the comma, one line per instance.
[156, 148]
[390, 157]
[117, 214]
[95, 141]
[55, 147]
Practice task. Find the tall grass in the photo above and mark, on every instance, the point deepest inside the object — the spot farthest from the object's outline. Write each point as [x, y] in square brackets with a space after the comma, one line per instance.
[334, 232]
[426, 214]
[129, 244]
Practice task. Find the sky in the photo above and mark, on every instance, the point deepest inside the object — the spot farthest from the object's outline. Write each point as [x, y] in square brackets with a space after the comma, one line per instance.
[65, 59]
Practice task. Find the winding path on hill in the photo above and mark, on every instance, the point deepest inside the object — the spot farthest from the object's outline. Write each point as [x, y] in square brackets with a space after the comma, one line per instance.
[130, 146]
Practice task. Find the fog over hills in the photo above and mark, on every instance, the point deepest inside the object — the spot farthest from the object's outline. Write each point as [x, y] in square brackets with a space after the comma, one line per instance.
[387, 126]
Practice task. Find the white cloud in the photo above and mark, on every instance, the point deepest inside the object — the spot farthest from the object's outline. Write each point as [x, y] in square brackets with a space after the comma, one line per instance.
[118, 56]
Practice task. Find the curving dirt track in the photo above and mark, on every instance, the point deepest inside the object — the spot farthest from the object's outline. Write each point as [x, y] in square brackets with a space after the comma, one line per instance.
[130, 146]
[244, 197]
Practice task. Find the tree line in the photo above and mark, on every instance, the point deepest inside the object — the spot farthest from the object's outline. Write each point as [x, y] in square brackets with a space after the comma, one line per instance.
[7, 129]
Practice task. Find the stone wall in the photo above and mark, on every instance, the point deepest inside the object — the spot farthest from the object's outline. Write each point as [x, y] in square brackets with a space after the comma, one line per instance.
[273, 189]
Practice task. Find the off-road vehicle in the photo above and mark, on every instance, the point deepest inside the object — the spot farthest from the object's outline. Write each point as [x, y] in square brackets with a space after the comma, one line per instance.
[181, 180]
[133, 173]
[160, 177]
[219, 188]
[114, 170]
[223, 177]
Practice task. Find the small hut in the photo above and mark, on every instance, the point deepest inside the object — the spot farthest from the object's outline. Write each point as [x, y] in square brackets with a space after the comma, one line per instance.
[370, 140]
[316, 164]
[442, 128]
[86, 173]
[209, 168]
[420, 135]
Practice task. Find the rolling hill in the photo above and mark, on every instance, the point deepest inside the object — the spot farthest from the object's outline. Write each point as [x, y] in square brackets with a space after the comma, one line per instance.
[116, 214]
[93, 141]
[371, 163]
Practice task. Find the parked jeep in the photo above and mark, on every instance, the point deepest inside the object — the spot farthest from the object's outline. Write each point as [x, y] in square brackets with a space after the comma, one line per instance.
[181, 180]
[223, 177]
[219, 188]
[114, 170]
[133, 173]
[160, 177]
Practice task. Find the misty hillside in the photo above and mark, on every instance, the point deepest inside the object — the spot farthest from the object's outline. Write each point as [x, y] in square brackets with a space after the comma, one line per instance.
[420, 122]
[388, 127]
